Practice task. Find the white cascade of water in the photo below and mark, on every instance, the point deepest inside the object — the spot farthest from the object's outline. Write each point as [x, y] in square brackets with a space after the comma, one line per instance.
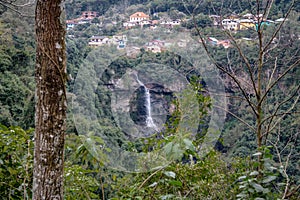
[149, 120]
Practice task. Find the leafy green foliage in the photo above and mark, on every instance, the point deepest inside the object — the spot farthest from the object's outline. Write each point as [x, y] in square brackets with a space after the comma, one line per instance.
[266, 184]
[16, 162]
[17, 97]
[211, 177]
[16, 72]
[260, 184]
[80, 182]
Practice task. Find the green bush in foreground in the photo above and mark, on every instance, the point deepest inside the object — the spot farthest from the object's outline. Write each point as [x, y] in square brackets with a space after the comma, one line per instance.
[16, 161]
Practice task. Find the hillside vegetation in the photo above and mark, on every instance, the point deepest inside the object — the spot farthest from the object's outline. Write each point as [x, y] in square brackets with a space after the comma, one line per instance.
[104, 119]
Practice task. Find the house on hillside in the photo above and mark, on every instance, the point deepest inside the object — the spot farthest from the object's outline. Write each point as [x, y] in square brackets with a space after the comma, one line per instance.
[146, 22]
[231, 24]
[247, 24]
[253, 17]
[138, 17]
[154, 49]
[129, 25]
[212, 40]
[71, 24]
[120, 37]
[85, 17]
[155, 46]
[248, 16]
[156, 42]
[120, 41]
[280, 20]
[172, 22]
[224, 43]
[117, 40]
[96, 41]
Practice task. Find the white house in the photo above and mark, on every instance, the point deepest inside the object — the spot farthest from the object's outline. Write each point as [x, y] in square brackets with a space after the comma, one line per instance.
[138, 17]
[129, 24]
[155, 46]
[98, 41]
[230, 24]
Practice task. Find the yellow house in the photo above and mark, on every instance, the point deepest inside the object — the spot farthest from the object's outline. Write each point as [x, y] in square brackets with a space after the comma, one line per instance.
[247, 24]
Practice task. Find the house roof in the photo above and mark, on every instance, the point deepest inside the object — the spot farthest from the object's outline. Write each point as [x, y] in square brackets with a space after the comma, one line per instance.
[246, 21]
[98, 37]
[212, 39]
[139, 15]
[214, 16]
[72, 21]
[280, 20]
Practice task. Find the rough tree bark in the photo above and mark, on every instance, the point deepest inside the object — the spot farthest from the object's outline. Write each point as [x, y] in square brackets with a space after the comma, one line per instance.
[51, 104]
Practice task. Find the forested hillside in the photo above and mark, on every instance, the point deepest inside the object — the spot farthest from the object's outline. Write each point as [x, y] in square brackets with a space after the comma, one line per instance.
[147, 97]
[17, 70]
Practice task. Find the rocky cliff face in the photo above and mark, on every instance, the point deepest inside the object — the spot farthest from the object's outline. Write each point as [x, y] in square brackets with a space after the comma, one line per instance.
[160, 100]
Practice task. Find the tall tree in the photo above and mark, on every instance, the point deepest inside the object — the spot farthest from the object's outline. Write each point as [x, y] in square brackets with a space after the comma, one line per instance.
[263, 76]
[51, 104]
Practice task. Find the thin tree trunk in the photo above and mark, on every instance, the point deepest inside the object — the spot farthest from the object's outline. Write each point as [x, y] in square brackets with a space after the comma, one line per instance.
[50, 119]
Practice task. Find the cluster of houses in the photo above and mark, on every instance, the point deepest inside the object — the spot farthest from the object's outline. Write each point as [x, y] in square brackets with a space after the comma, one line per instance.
[86, 17]
[120, 41]
[138, 19]
[116, 40]
[247, 21]
[141, 19]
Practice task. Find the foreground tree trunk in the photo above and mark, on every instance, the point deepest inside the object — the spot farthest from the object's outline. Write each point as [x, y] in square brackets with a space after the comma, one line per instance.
[50, 120]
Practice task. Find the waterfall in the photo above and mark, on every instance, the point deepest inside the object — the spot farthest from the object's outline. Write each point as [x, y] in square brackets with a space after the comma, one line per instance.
[149, 120]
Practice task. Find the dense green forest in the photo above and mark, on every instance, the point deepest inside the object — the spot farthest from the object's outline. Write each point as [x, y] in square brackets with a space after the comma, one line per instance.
[106, 95]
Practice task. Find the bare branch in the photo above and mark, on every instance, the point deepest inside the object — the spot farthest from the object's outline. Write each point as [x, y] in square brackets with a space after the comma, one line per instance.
[279, 27]
[244, 59]
[281, 104]
[149, 177]
[296, 63]
[273, 72]
[268, 8]
[284, 164]
[291, 193]
[238, 118]
[288, 111]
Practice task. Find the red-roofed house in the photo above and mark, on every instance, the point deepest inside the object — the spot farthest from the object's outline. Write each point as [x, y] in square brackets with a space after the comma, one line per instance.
[138, 17]
[85, 17]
